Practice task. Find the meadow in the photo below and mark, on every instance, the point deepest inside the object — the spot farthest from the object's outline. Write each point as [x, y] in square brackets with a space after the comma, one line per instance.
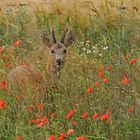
[98, 96]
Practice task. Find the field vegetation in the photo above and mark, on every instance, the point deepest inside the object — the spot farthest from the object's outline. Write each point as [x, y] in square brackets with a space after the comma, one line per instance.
[98, 95]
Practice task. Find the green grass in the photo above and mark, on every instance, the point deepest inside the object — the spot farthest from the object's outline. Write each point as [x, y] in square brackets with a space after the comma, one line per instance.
[100, 40]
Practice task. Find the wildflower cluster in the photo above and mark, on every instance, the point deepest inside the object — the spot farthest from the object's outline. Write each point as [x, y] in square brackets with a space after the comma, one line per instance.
[40, 122]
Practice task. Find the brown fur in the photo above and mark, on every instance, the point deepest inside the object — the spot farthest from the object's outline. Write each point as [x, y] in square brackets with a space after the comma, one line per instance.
[53, 73]
[21, 76]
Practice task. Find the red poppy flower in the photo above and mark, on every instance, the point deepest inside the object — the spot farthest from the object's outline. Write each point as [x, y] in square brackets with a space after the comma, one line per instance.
[53, 115]
[95, 116]
[3, 85]
[73, 123]
[44, 120]
[101, 74]
[35, 121]
[52, 137]
[62, 136]
[40, 106]
[85, 115]
[40, 125]
[71, 113]
[2, 104]
[18, 42]
[40, 122]
[81, 138]
[70, 132]
[101, 68]
[105, 116]
[89, 90]
[125, 81]
[97, 84]
[131, 109]
[105, 80]
[30, 108]
[21, 96]
[132, 61]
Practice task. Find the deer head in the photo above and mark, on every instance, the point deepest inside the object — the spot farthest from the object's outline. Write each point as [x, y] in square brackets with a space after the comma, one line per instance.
[58, 50]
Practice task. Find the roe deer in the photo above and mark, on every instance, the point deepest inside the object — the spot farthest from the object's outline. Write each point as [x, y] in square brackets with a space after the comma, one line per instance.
[58, 50]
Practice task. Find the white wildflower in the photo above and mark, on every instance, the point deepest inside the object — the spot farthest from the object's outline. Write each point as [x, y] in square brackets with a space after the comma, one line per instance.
[93, 47]
[88, 51]
[82, 43]
[100, 54]
[88, 41]
[105, 48]
[84, 49]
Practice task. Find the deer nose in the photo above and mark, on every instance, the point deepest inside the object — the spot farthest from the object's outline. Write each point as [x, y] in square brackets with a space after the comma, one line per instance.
[59, 62]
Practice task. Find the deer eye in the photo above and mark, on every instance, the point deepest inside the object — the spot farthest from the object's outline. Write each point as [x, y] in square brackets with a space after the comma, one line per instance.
[64, 51]
[52, 51]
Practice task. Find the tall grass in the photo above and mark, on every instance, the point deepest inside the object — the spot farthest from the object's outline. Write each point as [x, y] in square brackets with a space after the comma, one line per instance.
[107, 37]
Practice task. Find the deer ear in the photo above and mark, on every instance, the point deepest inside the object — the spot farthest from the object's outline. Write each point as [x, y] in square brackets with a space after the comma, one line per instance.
[68, 38]
[47, 40]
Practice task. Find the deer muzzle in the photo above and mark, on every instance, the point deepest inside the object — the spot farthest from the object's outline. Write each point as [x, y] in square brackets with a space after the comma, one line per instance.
[59, 62]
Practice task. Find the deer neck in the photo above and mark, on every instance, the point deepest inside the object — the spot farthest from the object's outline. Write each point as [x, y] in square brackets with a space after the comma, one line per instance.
[53, 73]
